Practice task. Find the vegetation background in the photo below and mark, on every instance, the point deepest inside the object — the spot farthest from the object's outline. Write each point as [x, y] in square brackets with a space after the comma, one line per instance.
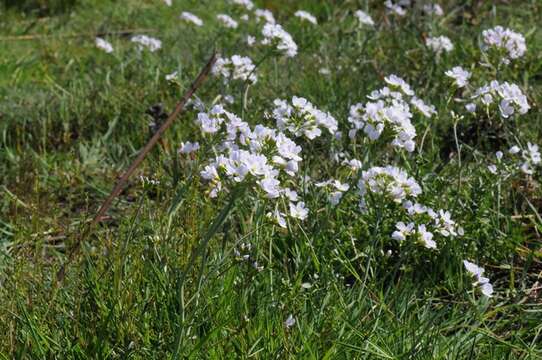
[73, 117]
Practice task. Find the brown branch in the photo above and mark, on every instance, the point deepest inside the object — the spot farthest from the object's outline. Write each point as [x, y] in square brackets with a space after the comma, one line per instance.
[121, 183]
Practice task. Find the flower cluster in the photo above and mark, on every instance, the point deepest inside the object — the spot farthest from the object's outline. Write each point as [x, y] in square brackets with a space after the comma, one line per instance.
[364, 18]
[420, 234]
[429, 222]
[172, 76]
[275, 35]
[525, 160]
[461, 76]
[353, 164]
[266, 159]
[188, 147]
[397, 8]
[148, 42]
[104, 45]
[391, 182]
[301, 118]
[258, 156]
[266, 15]
[191, 18]
[503, 39]
[247, 4]
[439, 44]
[509, 97]
[235, 68]
[304, 15]
[477, 272]
[390, 109]
[227, 21]
[531, 158]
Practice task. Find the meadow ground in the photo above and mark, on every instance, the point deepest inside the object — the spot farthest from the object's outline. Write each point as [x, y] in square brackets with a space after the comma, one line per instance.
[319, 233]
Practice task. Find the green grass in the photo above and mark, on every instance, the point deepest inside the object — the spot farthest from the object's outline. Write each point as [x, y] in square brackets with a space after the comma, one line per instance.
[159, 278]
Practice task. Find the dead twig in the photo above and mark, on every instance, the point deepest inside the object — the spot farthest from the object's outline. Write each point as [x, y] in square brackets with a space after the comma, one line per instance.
[121, 183]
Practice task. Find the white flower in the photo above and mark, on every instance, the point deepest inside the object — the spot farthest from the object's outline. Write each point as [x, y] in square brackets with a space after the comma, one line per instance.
[415, 208]
[172, 76]
[245, 156]
[534, 154]
[304, 15]
[266, 15]
[389, 181]
[354, 164]
[210, 122]
[422, 107]
[146, 180]
[275, 35]
[278, 217]
[461, 76]
[512, 98]
[290, 321]
[532, 158]
[439, 44]
[287, 148]
[289, 194]
[426, 237]
[191, 18]
[395, 8]
[509, 97]
[251, 40]
[227, 21]
[390, 109]
[323, 183]
[324, 71]
[104, 45]
[298, 211]
[477, 272]
[302, 119]
[500, 38]
[473, 269]
[397, 82]
[471, 107]
[492, 169]
[443, 222]
[209, 172]
[364, 18]
[335, 197]
[235, 68]
[148, 42]
[487, 289]
[514, 149]
[229, 99]
[271, 187]
[403, 231]
[188, 147]
[340, 186]
[247, 4]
